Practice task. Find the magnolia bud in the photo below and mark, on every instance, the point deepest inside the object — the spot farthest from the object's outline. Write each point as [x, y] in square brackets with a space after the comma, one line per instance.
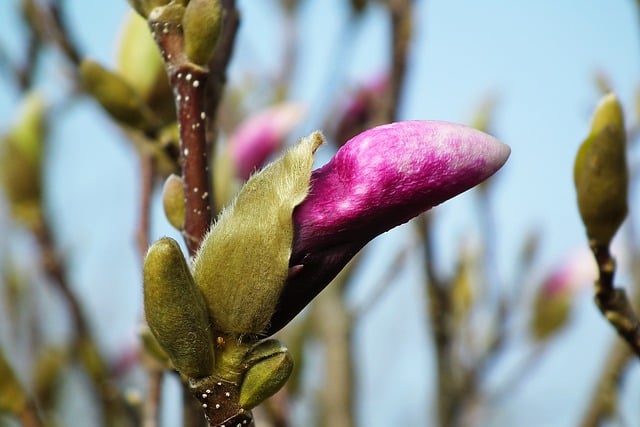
[550, 314]
[243, 262]
[175, 310]
[173, 201]
[12, 395]
[21, 161]
[202, 24]
[269, 366]
[600, 173]
[117, 97]
[139, 60]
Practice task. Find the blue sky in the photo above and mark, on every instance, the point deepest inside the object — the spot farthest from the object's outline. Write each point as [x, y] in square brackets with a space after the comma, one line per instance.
[538, 58]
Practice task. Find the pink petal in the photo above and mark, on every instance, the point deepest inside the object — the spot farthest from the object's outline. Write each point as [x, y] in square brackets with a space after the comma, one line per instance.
[376, 181]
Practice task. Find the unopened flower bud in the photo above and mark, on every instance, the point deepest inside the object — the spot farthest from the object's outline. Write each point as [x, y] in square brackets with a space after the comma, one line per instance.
[378, 180]
[175, 310]
[13, 398]
[202, 25]
[139, 60]
[21, 152]
[269, 366]
[243, 262]
[173, 201]
[600, 173]
[117, 97]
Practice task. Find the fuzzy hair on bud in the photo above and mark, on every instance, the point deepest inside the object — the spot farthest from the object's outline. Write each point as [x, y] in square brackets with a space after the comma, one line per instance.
[243, 262]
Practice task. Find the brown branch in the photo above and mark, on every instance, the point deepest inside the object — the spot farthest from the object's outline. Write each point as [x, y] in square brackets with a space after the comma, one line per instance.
[439, 303]
[189, 84]
[613, 302]
[85, 348]
[605, 395]
[334, 326]
[29, 417]
[401, 14]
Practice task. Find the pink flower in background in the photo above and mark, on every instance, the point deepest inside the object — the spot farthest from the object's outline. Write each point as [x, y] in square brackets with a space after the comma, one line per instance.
[261, 135]
[376, 181]
[359, 108]
[578, 271]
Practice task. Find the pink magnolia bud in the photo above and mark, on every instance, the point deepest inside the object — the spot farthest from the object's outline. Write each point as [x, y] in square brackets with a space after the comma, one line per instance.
[376, 181]
[261, 135]
[578, 271]
[359, 108]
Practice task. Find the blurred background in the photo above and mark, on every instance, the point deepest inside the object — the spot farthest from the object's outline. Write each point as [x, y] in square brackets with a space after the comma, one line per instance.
[529, 73]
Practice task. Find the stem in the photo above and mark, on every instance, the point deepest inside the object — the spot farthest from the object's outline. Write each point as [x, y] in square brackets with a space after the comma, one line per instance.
[604, 397]
[334, 328]
[85, 347]
[29, 416]
[612, 301]
[439, 303]
[189, 83]
[401, 13]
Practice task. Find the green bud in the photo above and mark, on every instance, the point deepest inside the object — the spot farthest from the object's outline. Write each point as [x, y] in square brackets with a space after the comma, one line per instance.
[117, 97]
[202, 24]
[13, 398]
[600, 173]
[175, 310]
[550, 314]
[47, 375]
[243, 261]
[139, 60]
[21, 153]
[173, 201]
[269, 365]
[153, 349]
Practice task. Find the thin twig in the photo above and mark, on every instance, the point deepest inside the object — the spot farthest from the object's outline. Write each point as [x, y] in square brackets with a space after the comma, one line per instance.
[381, 286]
[29, 417]
[401, 13]
[151, 406]
[85, 347]
[605, 395]
[612, 301]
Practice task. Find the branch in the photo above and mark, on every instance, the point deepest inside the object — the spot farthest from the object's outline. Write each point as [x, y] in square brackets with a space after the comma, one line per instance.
[612, 301]
[84, 346]
[188, 81]
[606, 391]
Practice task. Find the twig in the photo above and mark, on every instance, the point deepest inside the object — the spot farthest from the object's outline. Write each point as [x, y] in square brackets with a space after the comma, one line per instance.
[612, 301]
[189, 82]
[147, 172]
[439, 303]
[381, 286]
[604, 397]
[401, 13]
[334, 327]
[85, 347]
[151, 407]
[29, 416]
